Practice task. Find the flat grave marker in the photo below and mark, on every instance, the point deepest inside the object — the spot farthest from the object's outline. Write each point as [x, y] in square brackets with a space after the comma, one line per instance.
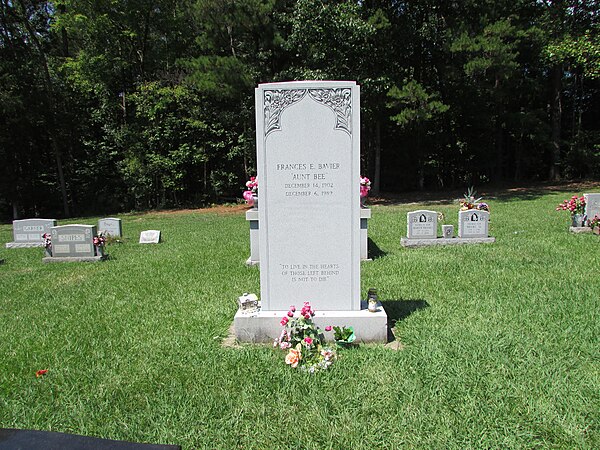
[150, 237]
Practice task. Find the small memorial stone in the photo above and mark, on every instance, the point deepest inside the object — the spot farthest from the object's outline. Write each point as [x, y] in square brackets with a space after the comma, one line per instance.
[421, 224]
[110, 227]
[150, 237]
[248, 303]
[447, 231]
[28, 232]
[473, 223]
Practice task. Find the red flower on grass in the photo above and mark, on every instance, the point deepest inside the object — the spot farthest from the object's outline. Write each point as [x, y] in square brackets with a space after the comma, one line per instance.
[41, 373]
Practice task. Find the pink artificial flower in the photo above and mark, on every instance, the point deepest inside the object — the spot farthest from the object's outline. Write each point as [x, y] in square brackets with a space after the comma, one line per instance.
[307, 316]
[292, 308]
[328, 328]
[284, 321]
[285, 345]
[293, 358]
[308, 340]
[290, 314]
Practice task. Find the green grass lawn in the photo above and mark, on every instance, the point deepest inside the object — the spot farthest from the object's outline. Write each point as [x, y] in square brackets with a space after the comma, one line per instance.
[501, 341]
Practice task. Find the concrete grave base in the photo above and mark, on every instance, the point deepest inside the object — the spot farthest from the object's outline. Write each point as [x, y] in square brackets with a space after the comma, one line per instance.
[24, 244]
[264, 326]
[54, 259]
[251, 262]
[406, 242]
[580, 229]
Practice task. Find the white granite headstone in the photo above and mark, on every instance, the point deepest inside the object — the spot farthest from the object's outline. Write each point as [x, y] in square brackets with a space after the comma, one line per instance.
[592, 205]
[473, 223]
[308, 149]
[150, 237]
[421, 224]
[110, 226]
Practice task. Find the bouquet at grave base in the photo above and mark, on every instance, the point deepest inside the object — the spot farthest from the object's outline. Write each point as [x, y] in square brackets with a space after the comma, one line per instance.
[251, 189]
[100, 240]
[595, 221]
[47, 240]
[470, 202]
[304, 341]
[575, 205]
[365, 186]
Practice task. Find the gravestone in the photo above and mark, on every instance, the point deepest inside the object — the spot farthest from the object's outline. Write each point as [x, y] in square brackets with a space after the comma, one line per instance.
[28, 232]
[150, 237]
[73, 243]
[592, 205]
[308, 156]
[110, 226]
[421, 224]
[473, 223]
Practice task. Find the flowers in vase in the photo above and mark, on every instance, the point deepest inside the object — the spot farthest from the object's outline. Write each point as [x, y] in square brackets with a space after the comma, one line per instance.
[365, 186]
[251, 190]
[470, 201]
[575, 205]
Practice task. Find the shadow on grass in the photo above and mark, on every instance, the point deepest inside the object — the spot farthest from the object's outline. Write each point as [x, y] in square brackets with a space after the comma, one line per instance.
[399, 310]
[374, 252]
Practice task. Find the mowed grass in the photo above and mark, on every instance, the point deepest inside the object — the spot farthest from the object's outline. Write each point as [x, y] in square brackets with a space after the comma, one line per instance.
[501, 341]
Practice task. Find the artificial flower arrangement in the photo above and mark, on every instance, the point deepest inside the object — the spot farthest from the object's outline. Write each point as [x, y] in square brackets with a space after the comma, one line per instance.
[365, 186]
[47, 237]
[100, 240]
[470, 202]
[595, 222]
[304, 341]
[575, 205]
[251, 190]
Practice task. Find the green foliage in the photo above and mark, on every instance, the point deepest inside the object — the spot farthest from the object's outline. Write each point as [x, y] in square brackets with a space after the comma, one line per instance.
[500, 341]
[417, 105]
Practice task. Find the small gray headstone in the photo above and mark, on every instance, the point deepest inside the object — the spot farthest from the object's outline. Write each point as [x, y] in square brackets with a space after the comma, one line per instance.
[150, 237]
[421, 224]
[30, 231]
[473, 223]
[110, 226]
[592, 205]
[73, 241]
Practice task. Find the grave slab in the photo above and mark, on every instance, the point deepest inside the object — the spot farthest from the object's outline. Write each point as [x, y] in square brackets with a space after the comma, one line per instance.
[150, 237]
[405, 242]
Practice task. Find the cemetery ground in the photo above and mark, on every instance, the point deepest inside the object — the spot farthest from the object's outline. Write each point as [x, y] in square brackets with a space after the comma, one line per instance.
[500, 342]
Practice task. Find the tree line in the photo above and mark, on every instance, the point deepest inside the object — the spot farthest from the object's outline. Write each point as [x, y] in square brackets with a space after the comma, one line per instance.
[109, 106]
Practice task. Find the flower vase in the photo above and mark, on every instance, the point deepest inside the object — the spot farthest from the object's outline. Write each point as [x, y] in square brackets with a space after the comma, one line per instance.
[48, 251]
[578, 220]
[372, 305]
[99, 250]
[362, 201]
[255, 201]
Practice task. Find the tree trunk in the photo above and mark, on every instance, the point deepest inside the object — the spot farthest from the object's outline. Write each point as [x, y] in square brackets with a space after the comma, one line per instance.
[51, 107]
[556, 113]
[377, 172]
